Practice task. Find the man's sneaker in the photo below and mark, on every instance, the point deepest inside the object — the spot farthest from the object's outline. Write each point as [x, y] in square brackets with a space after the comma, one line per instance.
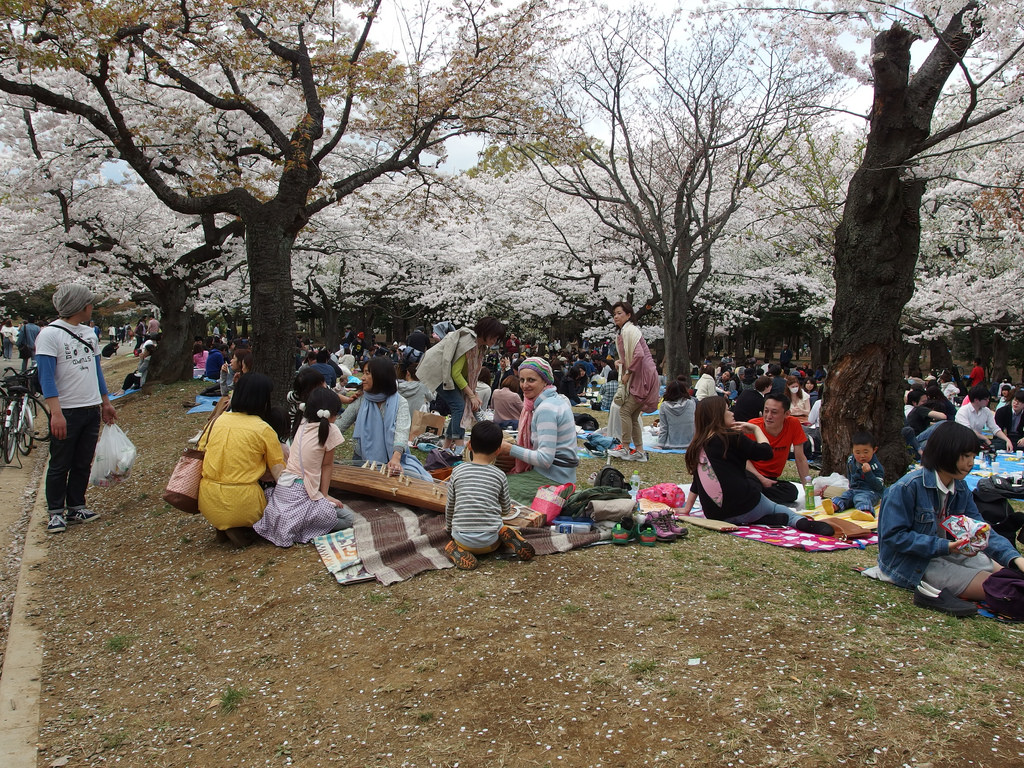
[82, 515]
[945, 602]
[636, 455]
[646, 534]
[510, 537]
[619, 453]
[624, 530]
[57, 523]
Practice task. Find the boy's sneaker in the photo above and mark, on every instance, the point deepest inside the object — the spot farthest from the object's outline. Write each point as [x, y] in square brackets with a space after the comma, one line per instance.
[510, 537]
[81, 515]
[57, 523]
[463, 559]
[624, 531]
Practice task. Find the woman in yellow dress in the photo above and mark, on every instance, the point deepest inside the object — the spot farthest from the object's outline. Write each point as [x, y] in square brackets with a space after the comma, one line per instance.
[241, 449]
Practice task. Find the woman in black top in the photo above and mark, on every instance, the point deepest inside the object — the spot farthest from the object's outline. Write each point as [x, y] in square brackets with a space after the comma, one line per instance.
[717, 458]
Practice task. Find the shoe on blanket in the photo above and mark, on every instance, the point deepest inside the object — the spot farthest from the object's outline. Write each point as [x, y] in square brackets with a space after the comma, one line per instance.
[624, 530]
[944, 601]
[817, 527]
[462, 558]
[510, 537]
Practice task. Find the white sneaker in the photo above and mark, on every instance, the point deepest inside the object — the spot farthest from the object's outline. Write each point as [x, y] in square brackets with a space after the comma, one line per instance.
[619, 453]
[637, 456]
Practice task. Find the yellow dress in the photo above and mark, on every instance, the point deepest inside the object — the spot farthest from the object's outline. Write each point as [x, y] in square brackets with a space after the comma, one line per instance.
[239, 451]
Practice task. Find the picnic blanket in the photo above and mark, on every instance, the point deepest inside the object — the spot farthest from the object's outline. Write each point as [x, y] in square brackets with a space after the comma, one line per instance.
[338, 551]
[395, 543]
[204, 404]
[784, 537]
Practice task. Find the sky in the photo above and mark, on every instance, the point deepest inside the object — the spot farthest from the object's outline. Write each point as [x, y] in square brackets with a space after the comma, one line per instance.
[463, 151]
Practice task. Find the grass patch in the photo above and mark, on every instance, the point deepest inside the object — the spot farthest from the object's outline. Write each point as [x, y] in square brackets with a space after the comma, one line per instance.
[668, 617]
[231, 698]
[119, 643]
[376, 598]
[264, 569]
[425, 717]
[930, 711]
[643, 667]
[572, 608]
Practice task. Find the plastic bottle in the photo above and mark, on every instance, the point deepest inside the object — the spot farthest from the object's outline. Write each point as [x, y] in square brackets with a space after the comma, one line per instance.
[809, 502]
[634, 485]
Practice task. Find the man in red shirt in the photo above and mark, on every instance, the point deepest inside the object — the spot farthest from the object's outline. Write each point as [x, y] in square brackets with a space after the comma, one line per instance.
[783, 432]
[977, 373]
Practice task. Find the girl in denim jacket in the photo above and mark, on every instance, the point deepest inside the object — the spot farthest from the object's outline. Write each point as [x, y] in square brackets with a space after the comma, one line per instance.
[913, 551]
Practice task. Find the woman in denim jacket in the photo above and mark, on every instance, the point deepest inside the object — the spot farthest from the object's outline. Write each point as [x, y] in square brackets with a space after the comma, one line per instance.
[913, 551]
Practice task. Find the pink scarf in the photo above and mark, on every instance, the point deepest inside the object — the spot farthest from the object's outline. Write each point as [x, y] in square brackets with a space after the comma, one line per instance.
[525, 438]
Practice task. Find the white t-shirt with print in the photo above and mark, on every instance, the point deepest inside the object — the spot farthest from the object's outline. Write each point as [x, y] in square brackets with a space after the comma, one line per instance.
[76, 376]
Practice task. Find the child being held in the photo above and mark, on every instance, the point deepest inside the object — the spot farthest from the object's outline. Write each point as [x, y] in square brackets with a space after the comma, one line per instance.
[477, 498]
[865, 474]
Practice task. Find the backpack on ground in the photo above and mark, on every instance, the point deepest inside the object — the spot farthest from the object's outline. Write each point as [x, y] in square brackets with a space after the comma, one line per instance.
[610, 477]
[586, 422]
[991, 497]
[1004, 593]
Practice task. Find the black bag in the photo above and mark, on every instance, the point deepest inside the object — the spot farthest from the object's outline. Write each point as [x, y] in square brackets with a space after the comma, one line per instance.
[610, 477]
[991, 499]
[439, 458]
[586, 422]
[24, 351]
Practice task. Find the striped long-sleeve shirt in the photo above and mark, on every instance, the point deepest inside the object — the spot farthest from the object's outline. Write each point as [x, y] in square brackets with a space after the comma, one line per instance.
[477, 498]
[553, 433]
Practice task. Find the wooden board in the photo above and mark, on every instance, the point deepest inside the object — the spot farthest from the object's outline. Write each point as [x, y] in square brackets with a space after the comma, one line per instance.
[703, 522]
[401, 488]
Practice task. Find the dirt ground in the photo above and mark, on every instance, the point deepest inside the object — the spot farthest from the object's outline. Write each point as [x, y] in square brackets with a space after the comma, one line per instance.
[164, 648]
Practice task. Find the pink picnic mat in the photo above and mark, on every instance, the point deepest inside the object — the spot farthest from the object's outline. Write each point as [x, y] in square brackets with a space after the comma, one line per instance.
[794, 539]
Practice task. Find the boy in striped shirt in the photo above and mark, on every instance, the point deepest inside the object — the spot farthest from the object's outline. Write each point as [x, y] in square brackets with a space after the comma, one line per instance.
[477, 498]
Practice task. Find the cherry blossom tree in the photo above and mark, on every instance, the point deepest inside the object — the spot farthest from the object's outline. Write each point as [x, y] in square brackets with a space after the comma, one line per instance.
[967, 81]
[672, 125]
[269, 113]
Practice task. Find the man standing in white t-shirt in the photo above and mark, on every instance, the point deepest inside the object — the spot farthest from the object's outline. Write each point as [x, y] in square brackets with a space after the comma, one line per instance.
[76, 393]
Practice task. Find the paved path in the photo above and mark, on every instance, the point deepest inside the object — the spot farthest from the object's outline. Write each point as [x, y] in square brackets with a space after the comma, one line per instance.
[22, 533]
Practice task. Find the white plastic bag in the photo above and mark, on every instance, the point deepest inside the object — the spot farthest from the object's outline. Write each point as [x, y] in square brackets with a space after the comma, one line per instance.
[114, 457]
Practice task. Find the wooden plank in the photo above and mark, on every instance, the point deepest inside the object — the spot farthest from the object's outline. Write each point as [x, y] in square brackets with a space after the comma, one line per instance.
[370, 481]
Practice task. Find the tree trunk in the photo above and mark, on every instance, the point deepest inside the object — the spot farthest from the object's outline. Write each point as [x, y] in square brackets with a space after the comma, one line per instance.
[877, 246]
[1000, 357]
[268, 245]
[939, 357]
[913, 358]
[172, 360]
[676, 307]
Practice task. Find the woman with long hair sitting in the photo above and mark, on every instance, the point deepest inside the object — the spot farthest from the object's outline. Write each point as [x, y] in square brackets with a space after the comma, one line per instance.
[382, 422]
[717, 458]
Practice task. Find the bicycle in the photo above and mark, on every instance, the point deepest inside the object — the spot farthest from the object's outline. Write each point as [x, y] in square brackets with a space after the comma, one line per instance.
[21, 407]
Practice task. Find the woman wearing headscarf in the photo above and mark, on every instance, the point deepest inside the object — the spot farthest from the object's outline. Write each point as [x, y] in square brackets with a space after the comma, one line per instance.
[382, 421]
[638, 381]
[545, 450]
[451, 367]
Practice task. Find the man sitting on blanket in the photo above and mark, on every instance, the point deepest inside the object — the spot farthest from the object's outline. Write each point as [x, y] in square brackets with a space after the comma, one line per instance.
[784, 433]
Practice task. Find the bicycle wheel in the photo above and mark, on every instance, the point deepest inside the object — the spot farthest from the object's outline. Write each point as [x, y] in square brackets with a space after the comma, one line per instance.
[26, 430]
[10, 438]
[40, 418]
